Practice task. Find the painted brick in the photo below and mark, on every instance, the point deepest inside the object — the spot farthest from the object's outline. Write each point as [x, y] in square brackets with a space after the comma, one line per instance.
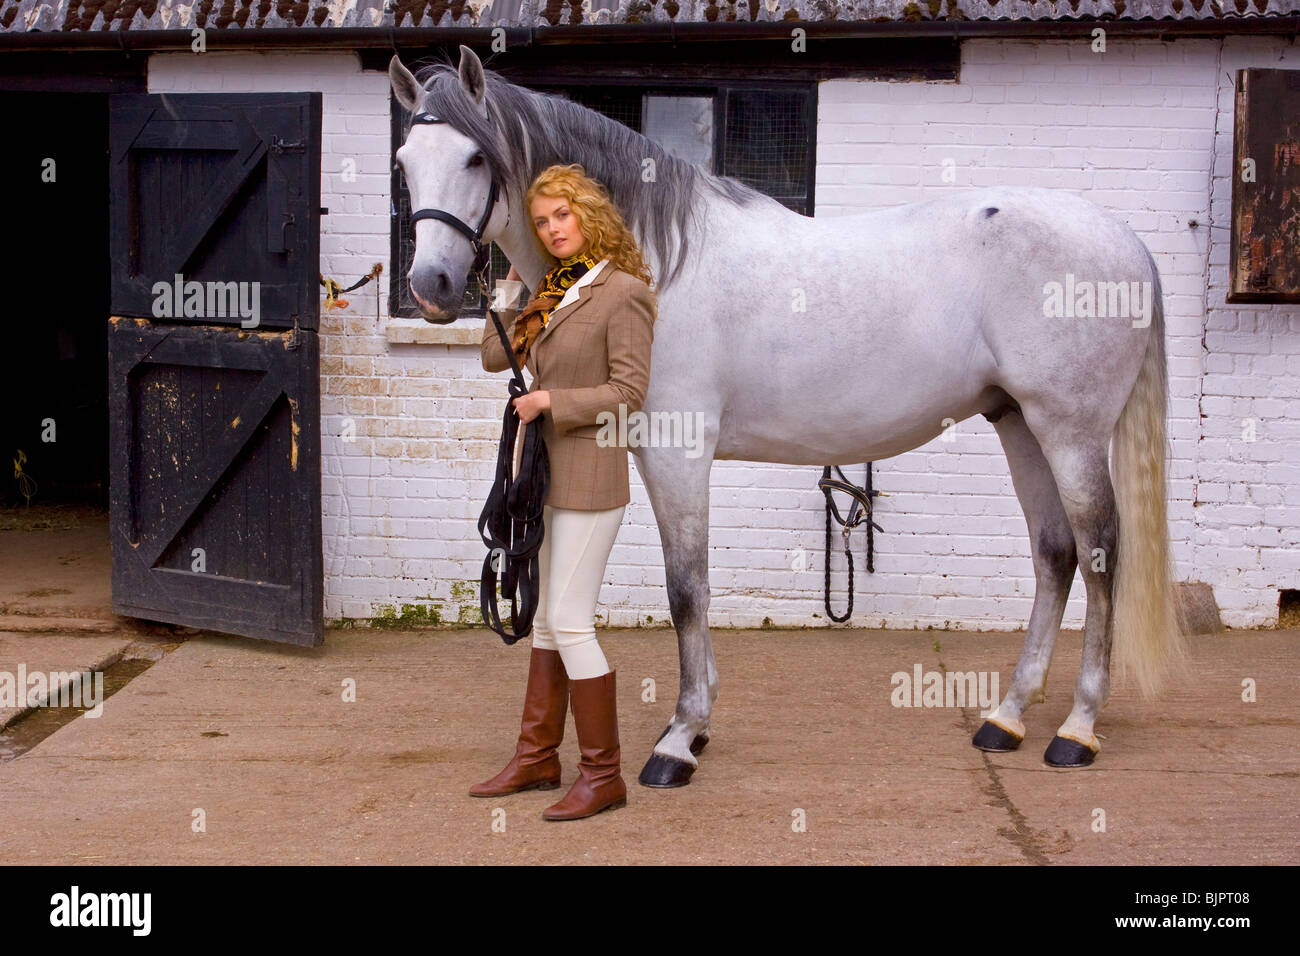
[1145, 128]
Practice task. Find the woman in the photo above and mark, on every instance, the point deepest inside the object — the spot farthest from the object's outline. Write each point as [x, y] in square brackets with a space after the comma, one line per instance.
[586, 338]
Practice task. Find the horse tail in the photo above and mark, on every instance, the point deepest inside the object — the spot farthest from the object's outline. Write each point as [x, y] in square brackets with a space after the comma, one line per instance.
[1145, 628]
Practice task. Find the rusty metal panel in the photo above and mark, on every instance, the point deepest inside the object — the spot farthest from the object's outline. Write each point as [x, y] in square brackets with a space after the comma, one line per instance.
[1265, 261]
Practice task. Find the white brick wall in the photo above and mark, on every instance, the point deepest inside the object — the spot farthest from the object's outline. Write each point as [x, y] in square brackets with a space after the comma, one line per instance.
[1247, 494]
[1144, 128]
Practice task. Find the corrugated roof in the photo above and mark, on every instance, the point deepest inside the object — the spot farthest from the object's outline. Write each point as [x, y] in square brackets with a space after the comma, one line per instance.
[18, 16]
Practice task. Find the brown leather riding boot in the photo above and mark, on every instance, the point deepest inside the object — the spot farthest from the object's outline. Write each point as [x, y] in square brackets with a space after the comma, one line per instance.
[536, 764]
[599, 785]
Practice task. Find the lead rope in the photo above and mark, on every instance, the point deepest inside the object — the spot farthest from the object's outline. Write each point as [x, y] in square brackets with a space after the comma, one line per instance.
[333, 289]
[859, 511]
[512, 514]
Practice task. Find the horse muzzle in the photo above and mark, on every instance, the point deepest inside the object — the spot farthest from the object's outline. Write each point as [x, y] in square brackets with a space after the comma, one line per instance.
[432, 297]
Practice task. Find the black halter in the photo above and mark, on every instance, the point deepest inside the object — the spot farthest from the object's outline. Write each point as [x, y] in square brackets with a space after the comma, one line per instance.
[859, 512]
[475, 236]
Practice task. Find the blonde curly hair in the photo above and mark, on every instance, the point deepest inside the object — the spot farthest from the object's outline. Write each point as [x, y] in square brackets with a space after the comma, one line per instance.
[602, 225]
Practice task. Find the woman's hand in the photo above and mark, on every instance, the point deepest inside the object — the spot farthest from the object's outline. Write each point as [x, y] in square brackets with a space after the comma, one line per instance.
[529, 406]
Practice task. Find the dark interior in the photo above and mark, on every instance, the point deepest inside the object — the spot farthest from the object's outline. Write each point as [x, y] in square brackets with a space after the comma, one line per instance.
[54, 363]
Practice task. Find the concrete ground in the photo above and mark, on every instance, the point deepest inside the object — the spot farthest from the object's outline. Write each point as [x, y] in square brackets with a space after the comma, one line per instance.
[55, 569]
[257, 742]
[56, 598]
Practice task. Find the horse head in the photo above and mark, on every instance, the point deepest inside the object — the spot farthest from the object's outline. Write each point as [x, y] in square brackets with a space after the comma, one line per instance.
[453, 159]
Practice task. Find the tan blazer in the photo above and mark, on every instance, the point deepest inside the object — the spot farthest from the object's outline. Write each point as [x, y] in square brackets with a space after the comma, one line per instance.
[592, 356]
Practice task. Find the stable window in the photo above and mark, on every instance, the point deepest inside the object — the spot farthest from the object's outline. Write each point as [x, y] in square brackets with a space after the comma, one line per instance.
[762, 133]
[1264, 266]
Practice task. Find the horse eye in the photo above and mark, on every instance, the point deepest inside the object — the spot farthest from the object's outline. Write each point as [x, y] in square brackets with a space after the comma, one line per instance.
[476, 160]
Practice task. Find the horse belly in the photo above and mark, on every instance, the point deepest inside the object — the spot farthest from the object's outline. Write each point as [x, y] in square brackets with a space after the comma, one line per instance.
[821, 426]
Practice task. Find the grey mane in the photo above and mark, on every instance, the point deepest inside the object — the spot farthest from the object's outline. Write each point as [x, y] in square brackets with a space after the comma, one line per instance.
[549, 129]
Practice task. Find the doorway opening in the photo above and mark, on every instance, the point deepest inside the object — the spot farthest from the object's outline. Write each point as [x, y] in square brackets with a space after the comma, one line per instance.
[54, 464]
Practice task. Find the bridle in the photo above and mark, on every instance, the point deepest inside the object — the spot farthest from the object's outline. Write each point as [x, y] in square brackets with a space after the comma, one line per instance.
[475, 236]
[481, 251]
[511, 523]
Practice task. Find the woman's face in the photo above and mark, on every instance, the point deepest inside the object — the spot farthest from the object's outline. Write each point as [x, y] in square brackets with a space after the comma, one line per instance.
[557, 226]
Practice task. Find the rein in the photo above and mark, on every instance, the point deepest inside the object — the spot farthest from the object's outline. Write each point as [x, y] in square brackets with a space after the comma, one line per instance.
[513, 512]
[511, 522]
[859, 512]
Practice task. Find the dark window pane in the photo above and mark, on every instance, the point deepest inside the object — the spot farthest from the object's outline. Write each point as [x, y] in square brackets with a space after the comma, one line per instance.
[619, 103]
[766, 143]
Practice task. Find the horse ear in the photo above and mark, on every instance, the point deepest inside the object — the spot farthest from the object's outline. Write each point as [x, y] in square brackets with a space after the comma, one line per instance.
[406, 87]
[471, 74]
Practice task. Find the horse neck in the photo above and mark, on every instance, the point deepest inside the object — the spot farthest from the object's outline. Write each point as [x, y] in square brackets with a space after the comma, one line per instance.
[520, 248]
[569, 129]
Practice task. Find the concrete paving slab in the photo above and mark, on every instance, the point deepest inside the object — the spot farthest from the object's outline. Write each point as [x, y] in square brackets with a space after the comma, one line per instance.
[259, 739]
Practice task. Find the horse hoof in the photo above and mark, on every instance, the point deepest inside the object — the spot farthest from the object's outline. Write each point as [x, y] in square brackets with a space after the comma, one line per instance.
[661, 771]
[993, 739]
[1062, 752]
[697, 744]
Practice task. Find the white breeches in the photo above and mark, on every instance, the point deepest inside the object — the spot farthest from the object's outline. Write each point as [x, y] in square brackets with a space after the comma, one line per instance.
[571, 568]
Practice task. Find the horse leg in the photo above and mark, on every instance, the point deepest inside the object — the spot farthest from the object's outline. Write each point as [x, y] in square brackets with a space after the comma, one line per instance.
[1083, 481]
[1051, 542]
[679, 493]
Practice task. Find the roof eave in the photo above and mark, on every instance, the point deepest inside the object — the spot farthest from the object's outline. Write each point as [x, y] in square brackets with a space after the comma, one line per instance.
[414, 38]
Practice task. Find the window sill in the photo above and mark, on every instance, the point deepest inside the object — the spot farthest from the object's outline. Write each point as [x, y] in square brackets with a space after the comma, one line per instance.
[404, 331]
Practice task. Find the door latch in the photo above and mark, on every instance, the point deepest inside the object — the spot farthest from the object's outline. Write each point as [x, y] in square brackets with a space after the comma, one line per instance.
[280, 146]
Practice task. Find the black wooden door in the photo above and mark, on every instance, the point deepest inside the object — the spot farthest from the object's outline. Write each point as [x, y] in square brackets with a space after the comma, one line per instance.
[214, 363]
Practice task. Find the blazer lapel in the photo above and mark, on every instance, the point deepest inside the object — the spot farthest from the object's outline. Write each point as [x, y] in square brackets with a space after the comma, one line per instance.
[585, 294]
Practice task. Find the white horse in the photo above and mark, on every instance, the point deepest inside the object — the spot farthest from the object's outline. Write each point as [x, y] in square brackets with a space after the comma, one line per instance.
[849, 339]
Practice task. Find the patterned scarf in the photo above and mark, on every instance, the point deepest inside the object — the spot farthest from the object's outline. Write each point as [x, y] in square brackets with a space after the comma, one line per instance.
[533, 317]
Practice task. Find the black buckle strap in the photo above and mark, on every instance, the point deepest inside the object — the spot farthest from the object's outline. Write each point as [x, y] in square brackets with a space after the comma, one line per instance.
[473, 235]
[859, 512]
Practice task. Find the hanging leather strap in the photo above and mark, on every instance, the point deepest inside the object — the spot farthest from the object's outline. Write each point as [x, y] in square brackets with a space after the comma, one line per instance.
[511, 523]
[860, 511]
